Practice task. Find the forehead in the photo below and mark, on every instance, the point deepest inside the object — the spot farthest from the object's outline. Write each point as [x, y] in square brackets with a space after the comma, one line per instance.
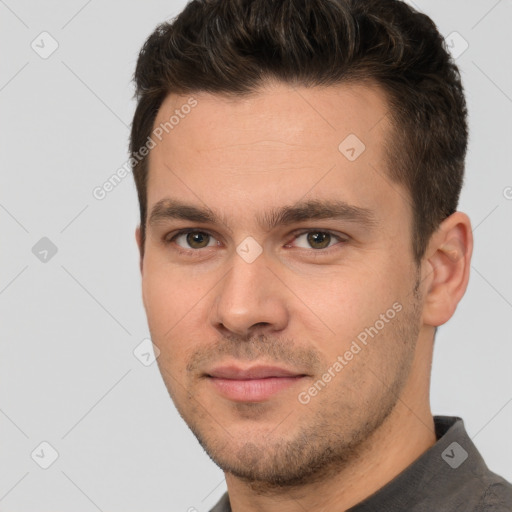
[280, 112]
[276, 146]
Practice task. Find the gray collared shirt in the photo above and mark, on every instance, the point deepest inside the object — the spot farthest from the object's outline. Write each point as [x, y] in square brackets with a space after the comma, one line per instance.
[451, 476]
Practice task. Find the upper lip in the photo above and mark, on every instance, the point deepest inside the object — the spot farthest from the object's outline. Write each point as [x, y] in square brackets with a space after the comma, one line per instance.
[253, 372]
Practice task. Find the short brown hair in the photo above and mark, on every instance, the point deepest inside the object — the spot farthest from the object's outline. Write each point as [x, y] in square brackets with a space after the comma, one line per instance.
[230, 47]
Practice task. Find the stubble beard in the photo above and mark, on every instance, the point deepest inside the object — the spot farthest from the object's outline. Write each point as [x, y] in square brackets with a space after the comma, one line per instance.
[329, 442]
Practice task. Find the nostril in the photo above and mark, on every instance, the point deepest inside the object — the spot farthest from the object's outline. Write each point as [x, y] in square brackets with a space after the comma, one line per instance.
[260, 324]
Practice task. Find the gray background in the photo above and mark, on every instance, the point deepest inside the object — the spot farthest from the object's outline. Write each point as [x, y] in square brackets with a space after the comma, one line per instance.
[69, 324]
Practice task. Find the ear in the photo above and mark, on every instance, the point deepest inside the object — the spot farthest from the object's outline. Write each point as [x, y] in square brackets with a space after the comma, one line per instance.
[140, 245]
[446, 265]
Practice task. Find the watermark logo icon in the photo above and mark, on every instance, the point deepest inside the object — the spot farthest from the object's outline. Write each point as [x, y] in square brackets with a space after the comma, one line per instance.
[44, 250]
[44, 45]
[146, 352]
[456, 44]
[351, 147]
[44, 455]
[454, 455]
[249, 249]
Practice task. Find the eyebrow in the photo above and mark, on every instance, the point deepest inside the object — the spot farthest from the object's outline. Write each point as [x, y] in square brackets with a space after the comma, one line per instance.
[168, 209]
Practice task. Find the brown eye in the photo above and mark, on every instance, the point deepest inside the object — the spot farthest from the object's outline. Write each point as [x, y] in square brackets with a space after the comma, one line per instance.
[197, 239]
[192, 240]
[319, 239]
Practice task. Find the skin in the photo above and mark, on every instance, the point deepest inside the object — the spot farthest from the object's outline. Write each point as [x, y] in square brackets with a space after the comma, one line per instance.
[296, 305]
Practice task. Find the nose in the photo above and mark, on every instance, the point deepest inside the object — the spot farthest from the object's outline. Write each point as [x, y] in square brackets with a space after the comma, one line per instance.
[250, 299]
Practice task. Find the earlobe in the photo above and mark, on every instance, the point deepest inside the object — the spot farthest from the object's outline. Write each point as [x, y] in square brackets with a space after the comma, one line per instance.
[450, 251]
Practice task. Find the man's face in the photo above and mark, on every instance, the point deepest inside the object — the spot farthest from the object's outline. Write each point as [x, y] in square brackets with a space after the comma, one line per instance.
[285, 340]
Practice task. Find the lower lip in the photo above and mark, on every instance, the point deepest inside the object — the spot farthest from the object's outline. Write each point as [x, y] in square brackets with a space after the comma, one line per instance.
[252, 390]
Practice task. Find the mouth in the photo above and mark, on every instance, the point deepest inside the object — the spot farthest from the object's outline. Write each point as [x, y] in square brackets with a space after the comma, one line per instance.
[252, 384]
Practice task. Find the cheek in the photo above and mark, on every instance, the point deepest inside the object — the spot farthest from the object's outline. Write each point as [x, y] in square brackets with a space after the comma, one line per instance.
[169, 295]
[171, 304]
[346, 301]
[160, 303]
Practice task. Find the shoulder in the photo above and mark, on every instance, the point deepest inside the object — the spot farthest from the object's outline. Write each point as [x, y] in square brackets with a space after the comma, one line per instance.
[497, 496]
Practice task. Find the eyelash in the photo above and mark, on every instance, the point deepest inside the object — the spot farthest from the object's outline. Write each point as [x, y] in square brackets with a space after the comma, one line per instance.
[295, 234]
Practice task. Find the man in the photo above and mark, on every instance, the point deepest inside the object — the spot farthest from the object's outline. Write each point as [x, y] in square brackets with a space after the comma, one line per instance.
[298, 166]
